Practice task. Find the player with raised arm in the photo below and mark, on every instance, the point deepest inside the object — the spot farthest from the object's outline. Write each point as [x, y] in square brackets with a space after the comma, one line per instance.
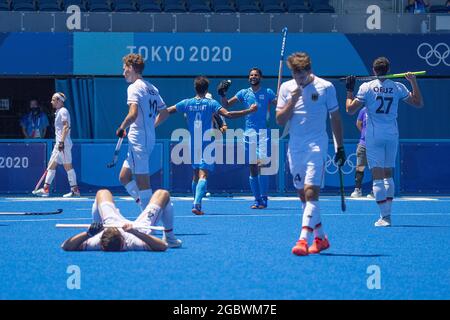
[256, 127]
[381, 98]
[305, 101]
[199, 112]
[144, 103]
[133, 235]
[62, 150]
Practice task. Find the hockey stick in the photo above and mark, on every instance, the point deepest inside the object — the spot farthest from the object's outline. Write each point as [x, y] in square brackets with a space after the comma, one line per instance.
[86, 226]
[52, 159]
[341, 188]
[388, 76]
[280, 68]
[116, 154]
[45, 213]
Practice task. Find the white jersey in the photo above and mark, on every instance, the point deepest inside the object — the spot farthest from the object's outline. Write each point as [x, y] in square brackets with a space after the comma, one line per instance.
[62, 114]
[308, 122]
[381, 100]
[146, 96]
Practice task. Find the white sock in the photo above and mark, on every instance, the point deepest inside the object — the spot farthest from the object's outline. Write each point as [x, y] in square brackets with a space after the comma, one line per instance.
[152, 212]
[389, 185]
[303, 206]
[132, 190]
[308, 221]
[167, 220]
[144, 197]
[96, 217]
[72, 177]
[50, 176]
[318, 229]
[379, 191]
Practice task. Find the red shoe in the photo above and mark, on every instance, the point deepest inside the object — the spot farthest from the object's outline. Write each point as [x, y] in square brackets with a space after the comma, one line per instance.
[197, 210]
[319, 245]
[300, 248]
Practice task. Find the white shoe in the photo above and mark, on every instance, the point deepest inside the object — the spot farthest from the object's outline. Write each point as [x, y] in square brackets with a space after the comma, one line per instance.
[72, 194]
[383, 222]
[357, 193]
[42, 192]
[370, 196]
[172, 242]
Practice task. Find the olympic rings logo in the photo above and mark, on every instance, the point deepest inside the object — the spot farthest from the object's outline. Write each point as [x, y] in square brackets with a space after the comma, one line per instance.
[434, 56]
[348, 167]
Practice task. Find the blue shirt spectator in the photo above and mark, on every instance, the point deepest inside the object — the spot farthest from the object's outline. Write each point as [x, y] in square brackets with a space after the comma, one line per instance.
[34, 124]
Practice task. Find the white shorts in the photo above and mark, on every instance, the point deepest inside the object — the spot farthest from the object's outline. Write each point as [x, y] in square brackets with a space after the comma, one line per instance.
[64, 157]
[110, 214]
[307, 167]
[381, 153]
[138, 161]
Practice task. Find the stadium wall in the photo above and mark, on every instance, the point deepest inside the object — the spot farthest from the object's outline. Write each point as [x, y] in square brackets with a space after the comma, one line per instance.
[23, 162]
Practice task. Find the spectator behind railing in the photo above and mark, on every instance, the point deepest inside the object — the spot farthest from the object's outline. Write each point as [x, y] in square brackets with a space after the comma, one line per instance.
[418, 6]
[35, 123]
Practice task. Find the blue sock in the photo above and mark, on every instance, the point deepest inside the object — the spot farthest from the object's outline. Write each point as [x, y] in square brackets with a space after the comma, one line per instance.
[200, 191]
[264, 185]
[254, 185]
[194, 187]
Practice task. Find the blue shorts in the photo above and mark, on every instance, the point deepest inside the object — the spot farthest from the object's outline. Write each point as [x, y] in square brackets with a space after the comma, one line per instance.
[257, 147]
[203, 166]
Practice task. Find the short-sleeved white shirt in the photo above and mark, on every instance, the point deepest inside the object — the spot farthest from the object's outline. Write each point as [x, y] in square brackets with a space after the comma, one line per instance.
[381, 99]
[62, 115]
[308, 122]
[146, 96]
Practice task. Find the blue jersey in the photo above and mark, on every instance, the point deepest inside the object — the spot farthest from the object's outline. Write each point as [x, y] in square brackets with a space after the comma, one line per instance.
[199, 113]
[263, 97]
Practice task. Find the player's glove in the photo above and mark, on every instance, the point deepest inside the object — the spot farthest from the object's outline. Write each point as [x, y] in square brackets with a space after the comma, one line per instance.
[339, 157]
[121, 133]
[61, 146]
[350, 83]
[223, 86]
[95, 228]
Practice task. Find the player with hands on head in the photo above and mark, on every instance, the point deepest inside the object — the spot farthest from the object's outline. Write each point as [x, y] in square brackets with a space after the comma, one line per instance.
[381, 97]
[133, 235]
[305, 101]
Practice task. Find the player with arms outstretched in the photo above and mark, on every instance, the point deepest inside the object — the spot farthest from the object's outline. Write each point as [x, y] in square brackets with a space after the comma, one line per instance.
[305, 101]
[381, 98]
[62, 152]
[255, 126]
[144, 103]
[199, 113]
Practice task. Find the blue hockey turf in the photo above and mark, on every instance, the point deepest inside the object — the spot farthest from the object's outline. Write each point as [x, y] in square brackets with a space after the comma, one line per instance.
[234, 252]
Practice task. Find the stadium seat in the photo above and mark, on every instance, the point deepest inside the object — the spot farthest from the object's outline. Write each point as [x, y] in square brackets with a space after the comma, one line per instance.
[321, 6]
[149, 6]
[272, 6]
[222, 6]
[24, 5]
[99, 6]
[49, 5]
[174, 6]
[439, 9]
[198, 6]
[298, 6]
[125, 6]
[4, 5]
[247, 6]
[80, 3]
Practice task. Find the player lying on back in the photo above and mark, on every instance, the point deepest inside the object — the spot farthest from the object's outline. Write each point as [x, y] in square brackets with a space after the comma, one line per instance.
[305, 101]
[255, 125]
[130, 237]
[199, 113]
[381, 98]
